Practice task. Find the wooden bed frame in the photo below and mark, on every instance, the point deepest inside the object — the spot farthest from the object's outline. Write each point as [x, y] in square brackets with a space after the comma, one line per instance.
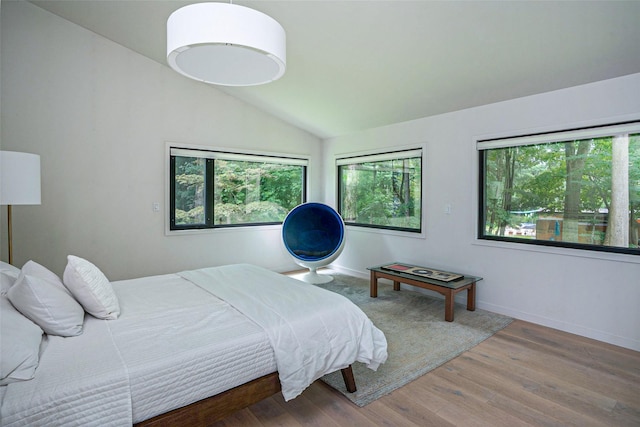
[215, 408]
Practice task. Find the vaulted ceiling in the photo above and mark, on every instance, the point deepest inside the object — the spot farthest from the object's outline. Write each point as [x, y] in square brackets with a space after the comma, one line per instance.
[354, 65]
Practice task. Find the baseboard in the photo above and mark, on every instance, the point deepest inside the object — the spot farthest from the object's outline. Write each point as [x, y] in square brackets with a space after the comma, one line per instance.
[348, 271]
[562, 326]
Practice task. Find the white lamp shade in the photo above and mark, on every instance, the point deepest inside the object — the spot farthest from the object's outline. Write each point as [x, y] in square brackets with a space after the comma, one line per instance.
[19, 178]
[226, 44]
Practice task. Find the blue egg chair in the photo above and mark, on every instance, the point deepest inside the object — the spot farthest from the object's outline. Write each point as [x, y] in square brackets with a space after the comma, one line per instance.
[314, 235]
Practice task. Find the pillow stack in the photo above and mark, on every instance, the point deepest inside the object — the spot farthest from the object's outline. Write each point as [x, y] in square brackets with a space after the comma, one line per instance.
[20, 338]
[34, 301]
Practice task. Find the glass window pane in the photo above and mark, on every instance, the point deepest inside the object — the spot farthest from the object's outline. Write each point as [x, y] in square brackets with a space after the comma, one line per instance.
[382, 194]
[189, 197]
[255, 192]
[210, 189]
[577, 193]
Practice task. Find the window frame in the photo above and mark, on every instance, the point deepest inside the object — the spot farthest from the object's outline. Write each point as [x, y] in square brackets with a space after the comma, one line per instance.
[483, 145]
[210, 154]
[386, 154]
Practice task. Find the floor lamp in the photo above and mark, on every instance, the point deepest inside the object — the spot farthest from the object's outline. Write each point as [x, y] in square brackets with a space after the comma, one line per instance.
[19, 184]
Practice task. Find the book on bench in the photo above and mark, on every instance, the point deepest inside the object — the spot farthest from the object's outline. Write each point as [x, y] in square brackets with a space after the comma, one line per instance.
[429, 273]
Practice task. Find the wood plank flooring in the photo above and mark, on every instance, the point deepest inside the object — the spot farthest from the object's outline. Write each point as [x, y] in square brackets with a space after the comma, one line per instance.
[525, 375]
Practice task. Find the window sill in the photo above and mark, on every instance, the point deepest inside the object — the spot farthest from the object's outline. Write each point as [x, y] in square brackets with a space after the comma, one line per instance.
[398, 233]
[576, 253]
[171, 233]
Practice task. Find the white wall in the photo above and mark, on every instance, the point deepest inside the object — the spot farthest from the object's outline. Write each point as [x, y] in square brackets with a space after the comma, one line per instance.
[592, 294]
[99, 114]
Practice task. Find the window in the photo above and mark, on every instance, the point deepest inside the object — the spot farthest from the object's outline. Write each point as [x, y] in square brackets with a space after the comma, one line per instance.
[382, 190]
[211, 189]
[577, 189]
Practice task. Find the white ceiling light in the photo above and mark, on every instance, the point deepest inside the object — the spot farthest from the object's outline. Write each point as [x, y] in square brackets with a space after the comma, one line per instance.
[226, 44]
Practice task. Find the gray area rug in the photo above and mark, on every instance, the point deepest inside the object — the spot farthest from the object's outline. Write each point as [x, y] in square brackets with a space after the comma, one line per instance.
[419, 340]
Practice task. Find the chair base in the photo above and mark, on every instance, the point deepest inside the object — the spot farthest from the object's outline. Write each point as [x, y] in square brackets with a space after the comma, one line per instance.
[314, 278]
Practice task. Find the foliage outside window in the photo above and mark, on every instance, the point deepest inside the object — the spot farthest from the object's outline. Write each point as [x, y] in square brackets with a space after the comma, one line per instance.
[210, 189]
[578, 189]
[382, 191]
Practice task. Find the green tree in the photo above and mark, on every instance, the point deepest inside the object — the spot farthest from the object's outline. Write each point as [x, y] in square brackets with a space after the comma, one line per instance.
[189, 190]
[579, 179]
[576, 156]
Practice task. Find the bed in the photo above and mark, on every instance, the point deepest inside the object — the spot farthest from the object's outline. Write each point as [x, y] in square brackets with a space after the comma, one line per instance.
[187, 348]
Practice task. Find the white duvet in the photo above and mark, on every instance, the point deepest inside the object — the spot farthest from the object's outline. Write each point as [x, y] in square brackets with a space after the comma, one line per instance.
[313, 331]
[181, 338]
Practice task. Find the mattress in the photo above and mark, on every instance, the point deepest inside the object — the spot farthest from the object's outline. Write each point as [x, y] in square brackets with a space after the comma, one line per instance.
[173, 344]
[181, 344]
[184, 337]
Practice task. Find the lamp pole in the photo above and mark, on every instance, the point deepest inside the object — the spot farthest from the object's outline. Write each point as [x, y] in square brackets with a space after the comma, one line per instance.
[9, 234]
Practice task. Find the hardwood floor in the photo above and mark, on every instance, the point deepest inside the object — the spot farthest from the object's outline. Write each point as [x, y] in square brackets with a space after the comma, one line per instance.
[525, 375]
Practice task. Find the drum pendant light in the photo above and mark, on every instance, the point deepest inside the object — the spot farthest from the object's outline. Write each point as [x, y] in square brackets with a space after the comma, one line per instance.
[226, 44]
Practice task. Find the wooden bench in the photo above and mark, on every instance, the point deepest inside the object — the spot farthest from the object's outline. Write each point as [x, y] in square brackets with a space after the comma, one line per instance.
[448, 289]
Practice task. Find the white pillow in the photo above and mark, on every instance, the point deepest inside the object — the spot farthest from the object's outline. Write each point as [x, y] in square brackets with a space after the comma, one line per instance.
[20, 341]
[91, 288]
[51, 306]
[48, 304]
[32, 268]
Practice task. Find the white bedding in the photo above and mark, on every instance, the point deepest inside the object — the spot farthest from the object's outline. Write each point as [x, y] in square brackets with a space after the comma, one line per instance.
[80, 381]
[313, 331]
[181, 344]
[176, 343]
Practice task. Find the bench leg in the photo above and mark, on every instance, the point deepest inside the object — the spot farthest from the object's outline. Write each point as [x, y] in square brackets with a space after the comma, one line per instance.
[471, 297]
[449, 302]
[349, 380]
[373, 285]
